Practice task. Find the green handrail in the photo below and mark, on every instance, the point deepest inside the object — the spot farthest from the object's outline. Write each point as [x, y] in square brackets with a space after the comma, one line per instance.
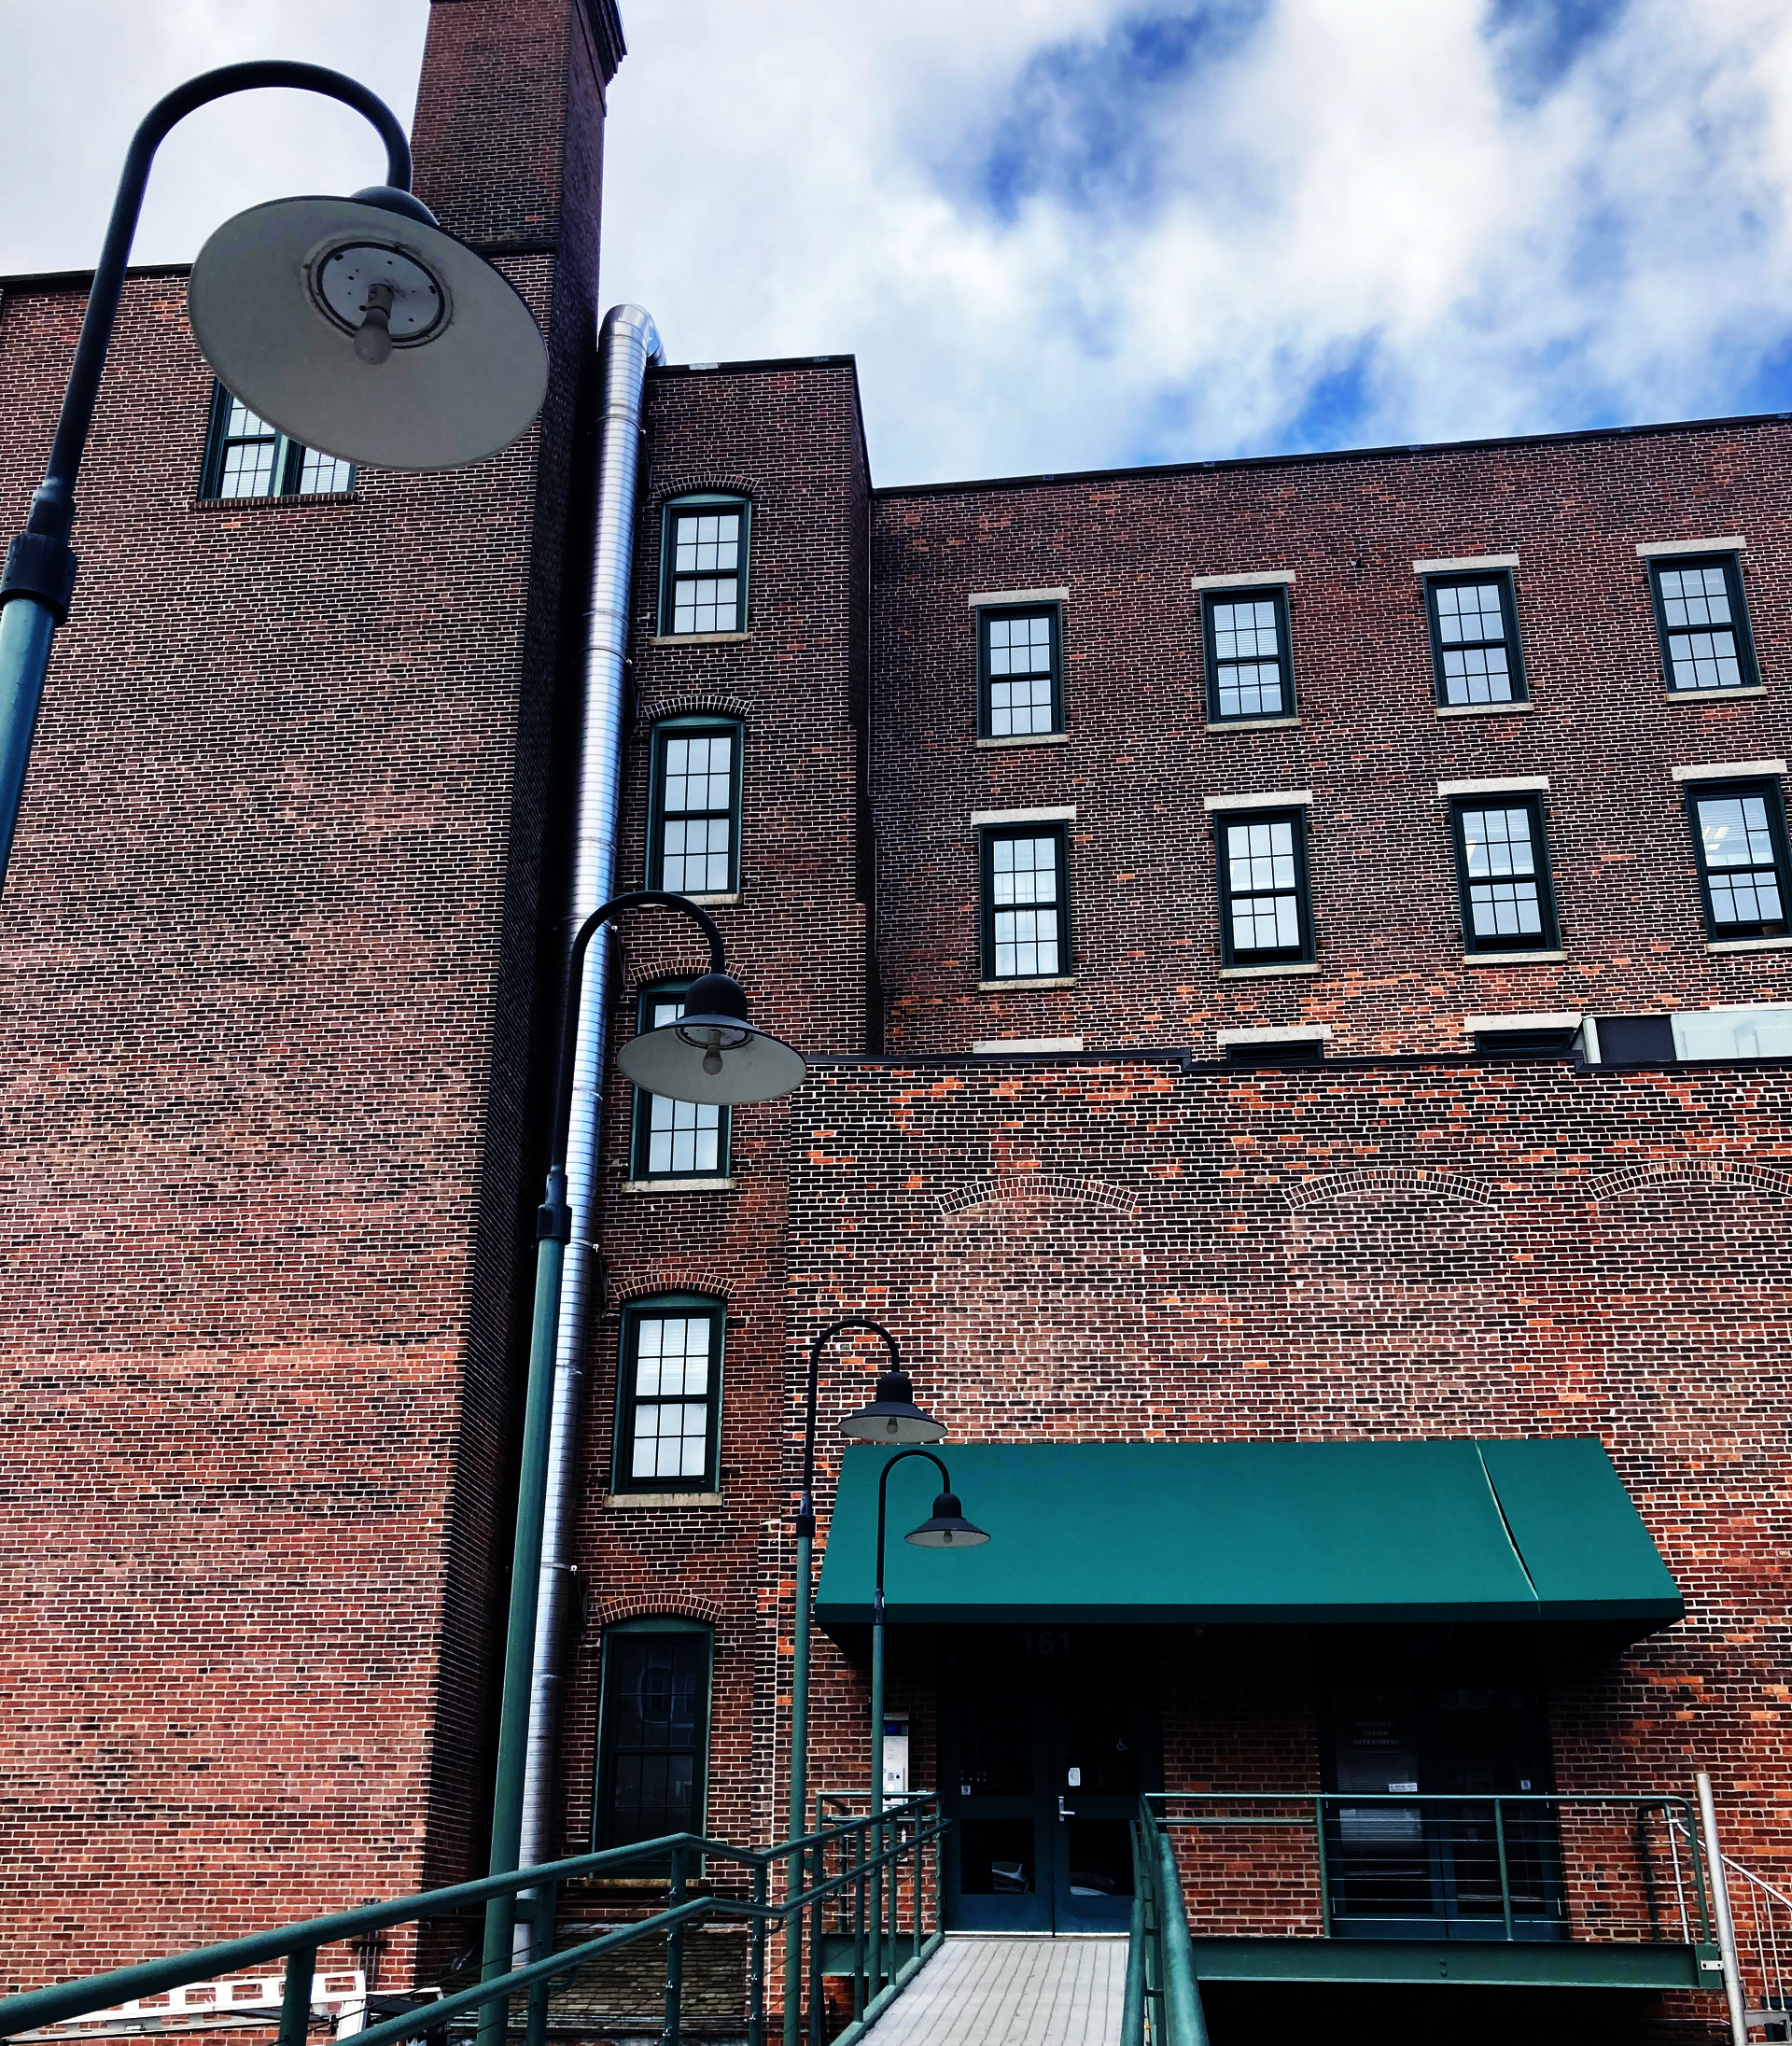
[910, 1828]
[1160, 1959]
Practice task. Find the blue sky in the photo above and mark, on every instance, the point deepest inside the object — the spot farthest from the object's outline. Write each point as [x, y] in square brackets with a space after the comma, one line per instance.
[1070, 233]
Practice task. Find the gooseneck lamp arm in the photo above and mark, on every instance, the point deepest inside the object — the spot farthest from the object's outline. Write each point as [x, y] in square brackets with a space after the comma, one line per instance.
[883, 1486]
[38, 580]
[806, 1512]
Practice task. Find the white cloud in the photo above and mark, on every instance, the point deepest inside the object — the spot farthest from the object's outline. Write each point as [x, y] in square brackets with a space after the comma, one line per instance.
[1345, 189]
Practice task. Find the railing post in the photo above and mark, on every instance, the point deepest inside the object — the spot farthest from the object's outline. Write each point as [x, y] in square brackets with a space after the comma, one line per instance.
[859, 1999]
[295, 2002]
[756, 1958]
[1183, 2024]
[1324, 1869]
[817, 1916]
[1505, 1884]
[914, 1885]
[675, 1959]
[543, 1913]
[1720, 1909]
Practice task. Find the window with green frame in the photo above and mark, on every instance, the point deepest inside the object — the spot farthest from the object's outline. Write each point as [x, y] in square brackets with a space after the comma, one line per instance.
[1020, 672]
[654, 1732]
[1250, 672]
[1026, 903]
[1703, 622]
[1475, 639]
[245, 458]
[668, 1408]
[1266, 910]
[1745, 873]
[676, 1140]
[693, 842]
[703, 553]
[1503, 875]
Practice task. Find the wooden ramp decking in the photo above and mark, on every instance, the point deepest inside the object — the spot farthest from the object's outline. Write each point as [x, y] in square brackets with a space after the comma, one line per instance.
[987, 1990]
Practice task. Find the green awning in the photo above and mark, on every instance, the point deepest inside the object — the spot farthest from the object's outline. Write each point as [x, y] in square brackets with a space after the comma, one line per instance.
[1255, 1532]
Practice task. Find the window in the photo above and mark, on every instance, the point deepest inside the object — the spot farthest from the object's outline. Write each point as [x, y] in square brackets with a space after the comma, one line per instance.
[1264, 914]
[1503, 875]
[1474, 639]
[697, 807]
[653, 1739]
[1026, 924]
[245, 458]
[1703, 623]
[1739, 834]
[1249, 674]
[676, 1140]
[1020, 672]
[670, 1383]
[703, 548]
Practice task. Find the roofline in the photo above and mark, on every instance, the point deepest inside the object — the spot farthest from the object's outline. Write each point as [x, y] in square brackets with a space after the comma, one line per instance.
[82, 280]
[763, 362]
[1333, 455]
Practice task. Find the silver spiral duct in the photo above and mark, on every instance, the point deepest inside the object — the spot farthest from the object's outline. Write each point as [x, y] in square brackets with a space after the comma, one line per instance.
[627, 343]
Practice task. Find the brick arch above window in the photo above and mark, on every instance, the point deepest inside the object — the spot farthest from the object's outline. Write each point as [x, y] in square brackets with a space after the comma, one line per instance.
[705, 1612]
[1723, 1175]
[1395, 1182]
[668, 491]
[1011, 1189]
[705, 1279]
[689, 702]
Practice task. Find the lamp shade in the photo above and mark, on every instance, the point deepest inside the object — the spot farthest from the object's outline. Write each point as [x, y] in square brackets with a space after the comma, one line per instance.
[358, 328]
[948, 1528]
[893, 1415]
[712, 1053]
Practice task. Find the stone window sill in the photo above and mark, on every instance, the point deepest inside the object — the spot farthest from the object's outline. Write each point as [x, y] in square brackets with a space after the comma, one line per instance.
[1707, 695]
[662, 1499]
[1512, 959]
[696, 638]
[1486, 710]
[691, 1186]
[996, 987]
[711, 902]
[1026, 738]
[1267, 973]
[1251, 725]
[1749, 944]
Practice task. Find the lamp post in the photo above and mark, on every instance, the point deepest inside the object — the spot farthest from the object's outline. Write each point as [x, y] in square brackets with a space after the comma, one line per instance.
[356, 326]
[893, 1416]
[712, 1053]
[945, 1528]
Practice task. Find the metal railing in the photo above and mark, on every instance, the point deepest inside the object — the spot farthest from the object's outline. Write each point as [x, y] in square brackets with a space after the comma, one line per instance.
[1763, 1919]
[1163, 1998]
[863, 1899]
[831, 1870]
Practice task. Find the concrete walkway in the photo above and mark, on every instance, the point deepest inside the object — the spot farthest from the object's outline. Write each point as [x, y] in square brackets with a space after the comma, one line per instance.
[1015, 1992]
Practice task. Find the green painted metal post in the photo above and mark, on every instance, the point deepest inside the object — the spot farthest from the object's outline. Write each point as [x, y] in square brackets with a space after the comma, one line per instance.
[295, 2000]
[27, 628]
[518, 1646]
[1324, 1870]
[540, 1943]
[756, 1960]
[1132, 2014]
[799, 1772]
[1183, 2019]
[675, 1959]
[1506, 1880]
[877, 1633]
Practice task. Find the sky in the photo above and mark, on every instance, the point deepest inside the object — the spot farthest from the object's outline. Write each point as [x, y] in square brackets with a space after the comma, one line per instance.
[1065, 234]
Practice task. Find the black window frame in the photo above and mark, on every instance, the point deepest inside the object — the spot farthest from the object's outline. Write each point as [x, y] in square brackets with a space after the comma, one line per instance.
[989, 835]
[988, 614]
[641, 1138]
[1747, 664]
[287, 471]
[696, 727]
[1277, 592]
[1530, 800]
[666, 1306]
[1462, 579]
[1268, 813]
[699, 502]
[694, 1634]
[1766, 787]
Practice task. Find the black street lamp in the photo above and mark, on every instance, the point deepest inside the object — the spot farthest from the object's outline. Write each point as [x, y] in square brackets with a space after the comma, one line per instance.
[356, 326]
[712, 1053]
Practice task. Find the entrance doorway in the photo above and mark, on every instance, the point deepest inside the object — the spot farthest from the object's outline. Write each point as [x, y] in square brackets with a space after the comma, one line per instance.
[1047, 1737]
[1452, 1721]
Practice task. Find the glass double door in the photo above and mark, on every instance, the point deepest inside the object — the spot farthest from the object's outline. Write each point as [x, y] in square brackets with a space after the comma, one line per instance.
[1047, 1737]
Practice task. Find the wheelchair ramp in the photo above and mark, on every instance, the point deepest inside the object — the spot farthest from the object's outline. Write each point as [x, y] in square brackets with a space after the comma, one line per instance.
[981, 1990]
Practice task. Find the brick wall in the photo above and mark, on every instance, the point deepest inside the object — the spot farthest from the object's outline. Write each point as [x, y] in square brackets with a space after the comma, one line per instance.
[267, 957]
[1370, 744]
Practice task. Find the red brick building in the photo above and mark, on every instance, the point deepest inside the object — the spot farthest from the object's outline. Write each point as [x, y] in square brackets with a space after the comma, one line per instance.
[1293, 956]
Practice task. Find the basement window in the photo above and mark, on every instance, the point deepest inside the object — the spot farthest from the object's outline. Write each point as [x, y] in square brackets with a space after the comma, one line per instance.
[247, 457]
